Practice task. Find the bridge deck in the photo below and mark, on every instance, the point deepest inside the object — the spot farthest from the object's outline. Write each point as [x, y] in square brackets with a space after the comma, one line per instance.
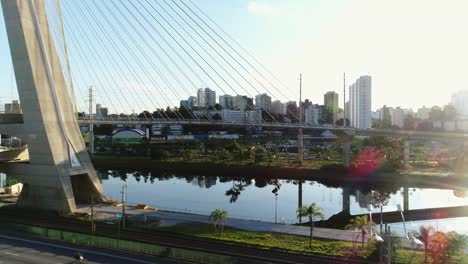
[8, 119]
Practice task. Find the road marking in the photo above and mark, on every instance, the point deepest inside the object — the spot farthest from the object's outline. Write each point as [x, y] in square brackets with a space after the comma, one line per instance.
[13, 254]
[74, 249]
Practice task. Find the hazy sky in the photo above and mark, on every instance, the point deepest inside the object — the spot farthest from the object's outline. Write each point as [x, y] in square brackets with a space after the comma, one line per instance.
[416, 51]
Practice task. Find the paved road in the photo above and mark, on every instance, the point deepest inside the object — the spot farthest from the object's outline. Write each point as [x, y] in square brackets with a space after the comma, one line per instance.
[15, 249]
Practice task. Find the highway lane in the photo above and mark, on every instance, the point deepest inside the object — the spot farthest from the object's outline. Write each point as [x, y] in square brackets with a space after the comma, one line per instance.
[16, 249]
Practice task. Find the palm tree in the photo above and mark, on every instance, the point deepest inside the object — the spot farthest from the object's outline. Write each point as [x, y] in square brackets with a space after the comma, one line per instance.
[218, 217]
[360, 223]
[312, 211]
[424, 235]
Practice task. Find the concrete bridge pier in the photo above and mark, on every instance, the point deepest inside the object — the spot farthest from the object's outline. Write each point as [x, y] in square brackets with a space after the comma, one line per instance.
[405, 199]
[91, 142]
[346, 154]
[460, 161]
[60, 173]
[346, 199]
[406, 153]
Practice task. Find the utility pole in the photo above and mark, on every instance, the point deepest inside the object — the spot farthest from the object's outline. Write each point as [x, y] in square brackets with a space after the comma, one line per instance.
[344, 99]
[123, 192]
[389, 243]
[91, 125]
[300, 136]
[93, 225]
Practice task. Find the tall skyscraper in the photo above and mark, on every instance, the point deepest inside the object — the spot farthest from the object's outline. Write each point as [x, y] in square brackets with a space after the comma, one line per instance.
[226, 101]
[206, 97]
[360, 102]
[331, 107]
[263, 101]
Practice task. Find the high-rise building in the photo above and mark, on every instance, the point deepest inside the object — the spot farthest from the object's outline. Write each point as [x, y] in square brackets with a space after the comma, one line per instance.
[423, 113]
[206, 97]
[277, 107]
[331, 107]
[243, 103]
[226, 101]
[360, 102]
[397, 116]
[263, 101]
[13, 108]
[460, 102]
[189, 103]
[104, 111]
[311, 116]
[98, 110]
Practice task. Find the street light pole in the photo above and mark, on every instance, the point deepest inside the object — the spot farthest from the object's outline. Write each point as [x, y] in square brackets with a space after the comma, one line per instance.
[276, 206]
[124, 198]
[300, 136]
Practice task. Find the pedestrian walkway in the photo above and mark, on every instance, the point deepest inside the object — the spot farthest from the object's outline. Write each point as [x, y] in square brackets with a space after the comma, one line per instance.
[172, 218]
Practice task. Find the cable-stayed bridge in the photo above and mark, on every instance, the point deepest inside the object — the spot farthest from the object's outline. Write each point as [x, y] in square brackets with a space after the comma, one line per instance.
[137, 55]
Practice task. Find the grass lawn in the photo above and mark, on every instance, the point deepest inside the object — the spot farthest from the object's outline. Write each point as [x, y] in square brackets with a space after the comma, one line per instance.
[291, 243]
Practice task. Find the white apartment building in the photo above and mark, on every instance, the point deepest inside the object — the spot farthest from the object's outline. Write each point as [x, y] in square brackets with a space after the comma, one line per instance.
[263, 101]
[360, 102]
[460, 102]
[206, 97]
[243, 103]
[311, 116]
[423, 113]
[226, 101]
[397, 116]
[277, 107]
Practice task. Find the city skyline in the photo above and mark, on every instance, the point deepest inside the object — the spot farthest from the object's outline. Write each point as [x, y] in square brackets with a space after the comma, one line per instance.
[397, 66]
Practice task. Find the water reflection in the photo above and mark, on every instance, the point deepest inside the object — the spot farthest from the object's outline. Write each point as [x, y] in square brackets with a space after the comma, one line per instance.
[252, 198]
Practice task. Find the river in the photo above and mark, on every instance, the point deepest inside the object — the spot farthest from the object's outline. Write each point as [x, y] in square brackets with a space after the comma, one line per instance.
[253, 199]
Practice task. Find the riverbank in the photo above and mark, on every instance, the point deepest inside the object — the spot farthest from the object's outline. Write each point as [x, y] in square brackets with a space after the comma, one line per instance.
[292, 238]
[331, 174]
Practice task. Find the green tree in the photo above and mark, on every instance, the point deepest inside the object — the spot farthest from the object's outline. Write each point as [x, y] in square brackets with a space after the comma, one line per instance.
[386, 118]
[456, 243]
[340, 122]
[390, 148]
[424, 236]
[450, 114]
[218, 107]
[380, 199]
[312, 211]
[360, 223]
[437, 114]
[409, 123]
[218, 217]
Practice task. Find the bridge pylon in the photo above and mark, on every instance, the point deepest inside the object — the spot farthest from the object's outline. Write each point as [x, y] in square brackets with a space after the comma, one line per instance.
[60, 173]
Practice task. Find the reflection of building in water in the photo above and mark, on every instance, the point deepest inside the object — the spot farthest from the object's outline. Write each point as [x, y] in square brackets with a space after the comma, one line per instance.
[200, 181]
[364, 200]
[210, 181]
[103, 175]
[204, 181]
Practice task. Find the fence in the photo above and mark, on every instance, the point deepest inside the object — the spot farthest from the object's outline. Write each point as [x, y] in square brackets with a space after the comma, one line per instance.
[119, 244]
